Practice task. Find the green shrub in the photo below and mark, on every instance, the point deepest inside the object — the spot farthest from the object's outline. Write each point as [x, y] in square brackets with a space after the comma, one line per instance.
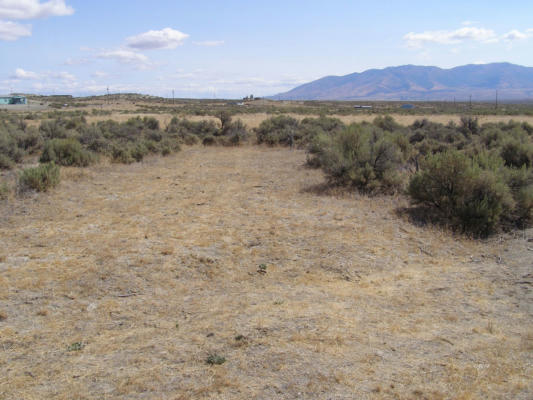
[469, 126]
[138, 152]
[386, 123]
[208, 141]
[181, 128]
[517, 154]
[323, 124]
[311, 128]
[520, 182]
[31, 116]
[225, 123]
[215, 359]
[527, 127]
[9, 148]
[168, 146]
[465, 195]
[277, 130]
[151, 146]
[54, 129]
[434, 134]
[40, 178]
[317, 149]
[30, 140]
[5, 162]
[93, 139]
[120, 154]
[4, 191]
[190, 139]
[151, 123]
[234, 133]
[154, 135]
[77, 346]
[66, 152]
[486, 200]
[74, 123]
[361, 156]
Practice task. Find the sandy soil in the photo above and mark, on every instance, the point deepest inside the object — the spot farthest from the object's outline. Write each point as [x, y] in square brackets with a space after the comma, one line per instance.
[121, 282]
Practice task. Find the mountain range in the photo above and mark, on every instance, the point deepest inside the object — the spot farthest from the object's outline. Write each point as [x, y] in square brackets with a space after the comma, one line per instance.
[412, 82]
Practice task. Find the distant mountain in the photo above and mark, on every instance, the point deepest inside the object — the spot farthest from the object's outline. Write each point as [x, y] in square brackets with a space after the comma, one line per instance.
[411, 82]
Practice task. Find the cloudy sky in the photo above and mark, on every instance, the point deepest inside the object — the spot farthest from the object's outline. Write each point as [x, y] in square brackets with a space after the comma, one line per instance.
[231, 48]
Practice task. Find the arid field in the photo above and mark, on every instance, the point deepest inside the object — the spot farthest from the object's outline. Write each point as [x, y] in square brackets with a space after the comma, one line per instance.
[254, 119]
[125, 280]
[121, 109]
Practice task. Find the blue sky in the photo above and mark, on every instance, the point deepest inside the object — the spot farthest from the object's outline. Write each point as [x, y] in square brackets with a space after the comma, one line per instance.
[229, 49]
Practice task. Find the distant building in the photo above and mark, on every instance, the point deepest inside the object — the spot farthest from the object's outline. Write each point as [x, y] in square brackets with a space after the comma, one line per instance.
[408, 106]
[360, 106]
[13, 100]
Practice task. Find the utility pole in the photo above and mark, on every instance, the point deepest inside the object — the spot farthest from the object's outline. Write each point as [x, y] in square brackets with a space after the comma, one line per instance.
[470, 102]
[108, 95]
[172, 96]
[496, 99]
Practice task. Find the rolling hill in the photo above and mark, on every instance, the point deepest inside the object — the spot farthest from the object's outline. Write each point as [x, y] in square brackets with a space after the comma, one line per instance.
[411, 82]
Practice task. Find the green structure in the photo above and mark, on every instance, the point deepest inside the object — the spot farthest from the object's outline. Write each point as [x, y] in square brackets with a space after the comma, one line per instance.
[13, 100]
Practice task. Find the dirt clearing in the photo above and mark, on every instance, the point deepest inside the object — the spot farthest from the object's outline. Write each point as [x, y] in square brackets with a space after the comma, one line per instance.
[124, 280]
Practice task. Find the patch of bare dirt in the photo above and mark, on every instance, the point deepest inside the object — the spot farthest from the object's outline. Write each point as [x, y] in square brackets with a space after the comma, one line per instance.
[122, 281]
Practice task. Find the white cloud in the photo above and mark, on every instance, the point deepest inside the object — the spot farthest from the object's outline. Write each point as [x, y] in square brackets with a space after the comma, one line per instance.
[468, 23]
[229, 82]
[205, 84]
[210, 43]
[23, 74]
[99, 74]
[517, 35]
[126, 57]
[11, 31]
[27, 9]
[31, 9]
[467, 33]
[167, 38]
[77, 61]
[64, 76]
[450, 37]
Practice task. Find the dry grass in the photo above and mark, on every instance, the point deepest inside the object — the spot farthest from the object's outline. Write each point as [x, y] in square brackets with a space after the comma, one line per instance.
[122, 281]
[164, 119]
[253, 120]
[121, 111]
